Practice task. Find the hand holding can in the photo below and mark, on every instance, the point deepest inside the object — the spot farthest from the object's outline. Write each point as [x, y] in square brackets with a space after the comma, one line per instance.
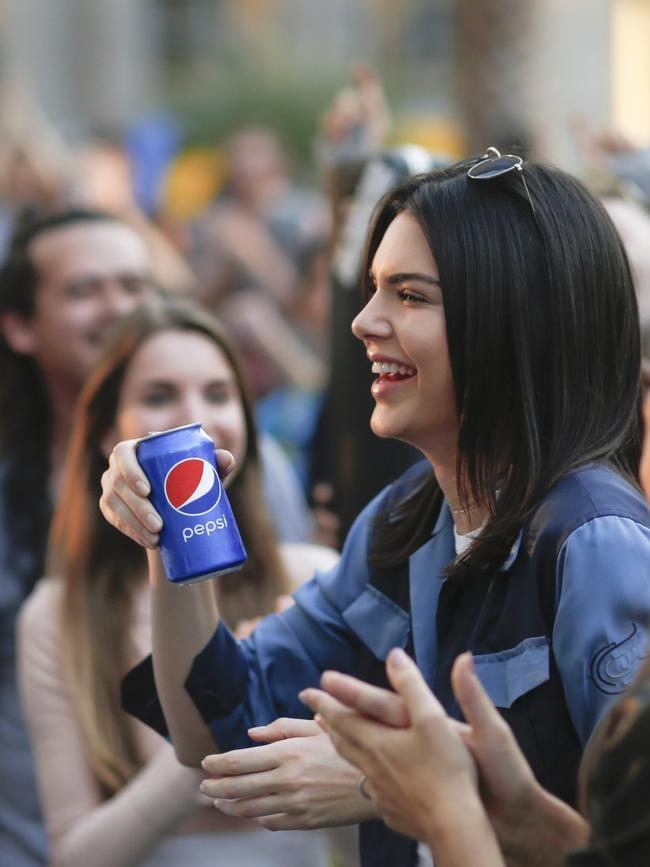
[126, 488]
[199, 537]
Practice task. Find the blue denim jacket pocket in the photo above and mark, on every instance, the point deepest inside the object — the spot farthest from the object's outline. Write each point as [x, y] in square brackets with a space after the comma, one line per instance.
[378, 621]
[509, 674]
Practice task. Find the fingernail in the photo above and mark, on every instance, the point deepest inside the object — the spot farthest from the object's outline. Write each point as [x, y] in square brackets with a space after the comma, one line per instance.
[142, 488]
[470, 661]
[397, 658]
[217, 803]
[204, 764]
[153, 522]
[255, 729]
[202, 787]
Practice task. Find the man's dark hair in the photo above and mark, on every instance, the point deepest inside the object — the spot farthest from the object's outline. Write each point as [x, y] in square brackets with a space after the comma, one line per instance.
[18, 275]
[25, 414]
[543, 337]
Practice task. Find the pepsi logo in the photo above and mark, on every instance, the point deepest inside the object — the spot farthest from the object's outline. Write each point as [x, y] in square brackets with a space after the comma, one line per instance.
[192, 487]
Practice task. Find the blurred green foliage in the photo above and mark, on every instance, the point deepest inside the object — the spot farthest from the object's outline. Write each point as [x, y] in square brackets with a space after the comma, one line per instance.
[220, 99]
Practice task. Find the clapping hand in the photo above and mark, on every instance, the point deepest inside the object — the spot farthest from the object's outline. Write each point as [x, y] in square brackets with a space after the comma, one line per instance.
[424, 770]
[295, 780]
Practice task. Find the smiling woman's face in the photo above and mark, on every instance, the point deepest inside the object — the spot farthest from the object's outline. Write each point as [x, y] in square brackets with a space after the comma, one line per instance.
[403, 329]
[180, 377]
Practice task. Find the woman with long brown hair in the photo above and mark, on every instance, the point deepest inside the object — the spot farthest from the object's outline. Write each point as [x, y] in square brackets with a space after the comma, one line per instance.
[112, 790]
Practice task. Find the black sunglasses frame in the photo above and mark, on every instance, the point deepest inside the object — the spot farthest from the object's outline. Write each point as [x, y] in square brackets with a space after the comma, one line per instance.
[493, 164]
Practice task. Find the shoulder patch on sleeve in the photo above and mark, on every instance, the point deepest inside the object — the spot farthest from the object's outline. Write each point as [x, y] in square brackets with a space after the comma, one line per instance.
[614, 666]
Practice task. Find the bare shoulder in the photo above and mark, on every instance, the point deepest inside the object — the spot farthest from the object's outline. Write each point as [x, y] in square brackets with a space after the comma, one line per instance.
[302, 560]
[40, 667]
[40, 611]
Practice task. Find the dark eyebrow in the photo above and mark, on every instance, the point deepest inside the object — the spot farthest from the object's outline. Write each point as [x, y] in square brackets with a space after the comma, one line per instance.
[168, 383]
[410, 276]
[158, 383]
[92, 276]
[405, 277]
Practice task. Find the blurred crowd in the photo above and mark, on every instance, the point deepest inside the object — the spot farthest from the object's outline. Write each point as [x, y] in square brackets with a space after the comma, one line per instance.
[89, 234]
[229, 226]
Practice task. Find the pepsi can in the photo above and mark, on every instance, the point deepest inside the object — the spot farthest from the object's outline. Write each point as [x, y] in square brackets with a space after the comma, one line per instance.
[199, 537]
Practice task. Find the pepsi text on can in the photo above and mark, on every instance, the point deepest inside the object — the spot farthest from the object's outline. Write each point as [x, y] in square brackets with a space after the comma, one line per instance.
[207, 528]
[199, 538]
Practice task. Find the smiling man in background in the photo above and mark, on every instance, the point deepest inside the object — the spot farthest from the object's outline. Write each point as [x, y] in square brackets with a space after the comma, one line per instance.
[67, 279]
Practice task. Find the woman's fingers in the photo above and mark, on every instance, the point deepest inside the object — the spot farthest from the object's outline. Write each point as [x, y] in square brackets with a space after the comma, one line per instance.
[130, 513]
[124, 501]
[225, 462]
[351, 734]
[371, 701]
[508, 782]
[406, 679]
[338, 715]
[253, 808]
[125, 490]
[320, 702]
[246, 786]
[277, 822]
[283, 728]
[474, 702]
[123, 459]
[238, 762]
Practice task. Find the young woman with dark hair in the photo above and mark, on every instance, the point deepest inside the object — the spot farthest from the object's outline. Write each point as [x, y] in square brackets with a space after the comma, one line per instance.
[113, 792]
[501, 321]
[423, 771]
[542, 339]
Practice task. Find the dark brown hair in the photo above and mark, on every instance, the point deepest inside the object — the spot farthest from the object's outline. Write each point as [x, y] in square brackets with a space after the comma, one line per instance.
[25, 412]
[543, 336]
[103, 568]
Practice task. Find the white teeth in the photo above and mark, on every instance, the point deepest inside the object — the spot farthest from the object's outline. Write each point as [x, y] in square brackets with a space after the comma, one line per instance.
[392, 367]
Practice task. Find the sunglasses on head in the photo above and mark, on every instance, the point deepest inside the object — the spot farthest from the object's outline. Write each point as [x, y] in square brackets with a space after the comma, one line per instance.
[493, 164]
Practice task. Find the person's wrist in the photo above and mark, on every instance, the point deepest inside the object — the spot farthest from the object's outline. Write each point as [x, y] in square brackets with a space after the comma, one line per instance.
[157, 575]
[365, 810]
[522, 802]
[536, 824]
[566, 828]
[448, 811]
[460, 824]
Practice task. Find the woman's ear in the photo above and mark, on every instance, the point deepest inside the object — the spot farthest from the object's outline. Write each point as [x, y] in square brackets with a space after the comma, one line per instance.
[18, 333]
[109, 441]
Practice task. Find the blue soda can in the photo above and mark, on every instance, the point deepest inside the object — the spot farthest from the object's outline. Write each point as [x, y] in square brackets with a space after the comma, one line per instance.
[199, 538]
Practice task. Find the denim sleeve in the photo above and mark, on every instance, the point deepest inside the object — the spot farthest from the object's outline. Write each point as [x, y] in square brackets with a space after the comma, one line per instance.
[238, 684]
[603, 611]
